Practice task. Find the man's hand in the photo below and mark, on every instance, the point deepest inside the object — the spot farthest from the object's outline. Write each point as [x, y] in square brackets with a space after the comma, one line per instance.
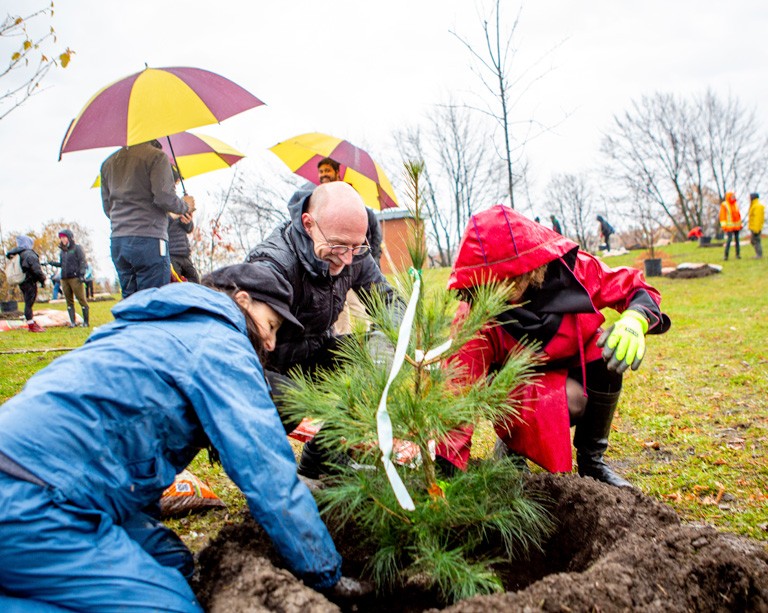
[624, 342]
[190, 200]
[186, 218]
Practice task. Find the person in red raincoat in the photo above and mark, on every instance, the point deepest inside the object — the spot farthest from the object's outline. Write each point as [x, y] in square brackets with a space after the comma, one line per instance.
[560, 292]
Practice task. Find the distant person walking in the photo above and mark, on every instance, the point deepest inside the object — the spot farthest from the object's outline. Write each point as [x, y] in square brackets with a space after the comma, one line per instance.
[30, 265]
[606, 230]
[755, 221]
[556, 226]
[137, 193]
[73, 267]
[730, 222]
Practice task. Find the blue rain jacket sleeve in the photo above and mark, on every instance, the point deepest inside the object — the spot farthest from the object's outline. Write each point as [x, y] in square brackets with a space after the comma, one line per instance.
[243, 425]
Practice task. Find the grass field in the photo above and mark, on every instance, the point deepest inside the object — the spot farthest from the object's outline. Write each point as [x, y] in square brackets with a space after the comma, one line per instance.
[692, 426]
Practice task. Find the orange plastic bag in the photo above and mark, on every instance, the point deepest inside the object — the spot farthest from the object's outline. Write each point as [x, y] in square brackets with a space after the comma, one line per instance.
[188, 494]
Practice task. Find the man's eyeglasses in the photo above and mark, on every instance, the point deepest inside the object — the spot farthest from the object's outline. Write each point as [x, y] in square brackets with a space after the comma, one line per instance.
[342, 249]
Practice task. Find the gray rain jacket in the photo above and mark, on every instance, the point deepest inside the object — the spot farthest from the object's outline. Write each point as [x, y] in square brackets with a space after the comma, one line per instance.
[138, 192]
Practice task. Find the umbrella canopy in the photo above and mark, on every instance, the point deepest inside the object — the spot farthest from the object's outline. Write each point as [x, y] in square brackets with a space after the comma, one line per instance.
[197, 154]
[302, 153]
[154, 103]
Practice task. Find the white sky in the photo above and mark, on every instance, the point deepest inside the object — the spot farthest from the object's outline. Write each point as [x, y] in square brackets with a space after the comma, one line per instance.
[361, 70]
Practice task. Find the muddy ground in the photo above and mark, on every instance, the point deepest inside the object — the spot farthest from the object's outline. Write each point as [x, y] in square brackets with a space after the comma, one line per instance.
[613, 550]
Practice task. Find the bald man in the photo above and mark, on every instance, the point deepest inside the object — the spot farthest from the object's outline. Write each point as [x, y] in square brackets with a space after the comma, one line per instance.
[323, 253]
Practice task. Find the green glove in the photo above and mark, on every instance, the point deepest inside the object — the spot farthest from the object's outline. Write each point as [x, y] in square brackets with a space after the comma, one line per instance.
[624, 342]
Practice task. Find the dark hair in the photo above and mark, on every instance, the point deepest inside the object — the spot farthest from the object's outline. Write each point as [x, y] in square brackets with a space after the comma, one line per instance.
[250, 325]
[330, 162]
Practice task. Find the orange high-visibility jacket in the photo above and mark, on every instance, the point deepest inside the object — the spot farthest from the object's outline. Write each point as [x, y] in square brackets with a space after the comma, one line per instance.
[730, 218]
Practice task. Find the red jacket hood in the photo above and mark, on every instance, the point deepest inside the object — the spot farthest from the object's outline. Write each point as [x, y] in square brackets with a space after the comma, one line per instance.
[500, 244]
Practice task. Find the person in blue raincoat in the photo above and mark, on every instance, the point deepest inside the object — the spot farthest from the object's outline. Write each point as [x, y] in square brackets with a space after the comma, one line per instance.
[100, 433]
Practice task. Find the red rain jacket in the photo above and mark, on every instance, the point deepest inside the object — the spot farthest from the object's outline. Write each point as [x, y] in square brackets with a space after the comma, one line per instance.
[502, 244]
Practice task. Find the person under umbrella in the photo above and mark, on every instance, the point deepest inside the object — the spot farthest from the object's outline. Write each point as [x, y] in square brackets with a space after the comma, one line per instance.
[137, 193]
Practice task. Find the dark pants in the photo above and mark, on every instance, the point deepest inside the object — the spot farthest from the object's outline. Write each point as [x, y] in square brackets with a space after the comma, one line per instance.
[728, 237]
[89, 289]
[755, 240]
[73, 288]
[599, 378]
[184, 267]
[141, 263]
[29, 291]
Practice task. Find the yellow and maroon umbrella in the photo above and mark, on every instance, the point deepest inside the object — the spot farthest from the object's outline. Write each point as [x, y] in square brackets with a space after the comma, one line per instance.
[196, 154]
[154, 103]
[302, 153]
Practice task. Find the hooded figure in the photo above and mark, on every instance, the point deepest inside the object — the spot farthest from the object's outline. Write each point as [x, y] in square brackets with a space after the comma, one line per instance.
[560, 292]
[730, 223]
[73, 268]
[97, 436]
[30, 264]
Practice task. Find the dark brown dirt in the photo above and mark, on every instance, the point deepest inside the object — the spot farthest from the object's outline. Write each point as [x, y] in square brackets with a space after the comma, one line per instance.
[613, 550]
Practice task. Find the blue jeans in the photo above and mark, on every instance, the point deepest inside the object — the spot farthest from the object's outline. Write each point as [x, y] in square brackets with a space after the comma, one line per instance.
[54, 553]
[141, 263]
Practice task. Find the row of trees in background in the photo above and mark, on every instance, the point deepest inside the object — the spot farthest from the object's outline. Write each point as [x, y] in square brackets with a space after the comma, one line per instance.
[674, 158]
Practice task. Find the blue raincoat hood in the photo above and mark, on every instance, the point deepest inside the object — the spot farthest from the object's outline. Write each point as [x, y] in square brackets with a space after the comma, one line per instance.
[175, 299]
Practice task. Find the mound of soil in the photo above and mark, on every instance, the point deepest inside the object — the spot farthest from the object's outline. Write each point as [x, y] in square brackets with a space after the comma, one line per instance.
[612, 550]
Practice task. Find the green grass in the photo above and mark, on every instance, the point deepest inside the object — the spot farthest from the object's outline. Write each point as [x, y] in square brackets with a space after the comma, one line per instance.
[692, 424]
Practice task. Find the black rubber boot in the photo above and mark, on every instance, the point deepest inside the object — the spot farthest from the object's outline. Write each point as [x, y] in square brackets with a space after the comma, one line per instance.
[501, 451]
[591, 438]
[71, 313]
[86, 320]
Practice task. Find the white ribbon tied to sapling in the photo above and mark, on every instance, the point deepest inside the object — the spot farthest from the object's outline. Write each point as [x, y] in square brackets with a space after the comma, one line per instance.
[383, 421]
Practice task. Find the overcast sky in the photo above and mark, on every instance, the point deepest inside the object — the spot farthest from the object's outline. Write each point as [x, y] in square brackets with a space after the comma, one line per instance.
[361, 70]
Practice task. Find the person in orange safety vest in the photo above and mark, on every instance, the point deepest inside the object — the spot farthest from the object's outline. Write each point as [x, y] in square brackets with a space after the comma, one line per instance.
[730, 222]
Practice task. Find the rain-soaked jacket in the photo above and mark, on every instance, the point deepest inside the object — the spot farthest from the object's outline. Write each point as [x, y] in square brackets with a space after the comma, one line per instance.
[318, 296]
[563, 316]
[110, 424]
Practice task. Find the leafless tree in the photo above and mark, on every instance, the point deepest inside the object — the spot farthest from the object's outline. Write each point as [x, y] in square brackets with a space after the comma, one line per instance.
[571, 196]
[29, 62]
[259, 205]
[461, 173]
[678, 153]
[733, 147]
[494, 65]
[653, 150]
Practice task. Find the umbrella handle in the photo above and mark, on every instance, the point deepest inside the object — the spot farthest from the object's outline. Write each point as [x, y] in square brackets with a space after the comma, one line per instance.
[181, 179]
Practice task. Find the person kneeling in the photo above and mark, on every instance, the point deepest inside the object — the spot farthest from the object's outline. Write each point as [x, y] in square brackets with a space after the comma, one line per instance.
[559, 292]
